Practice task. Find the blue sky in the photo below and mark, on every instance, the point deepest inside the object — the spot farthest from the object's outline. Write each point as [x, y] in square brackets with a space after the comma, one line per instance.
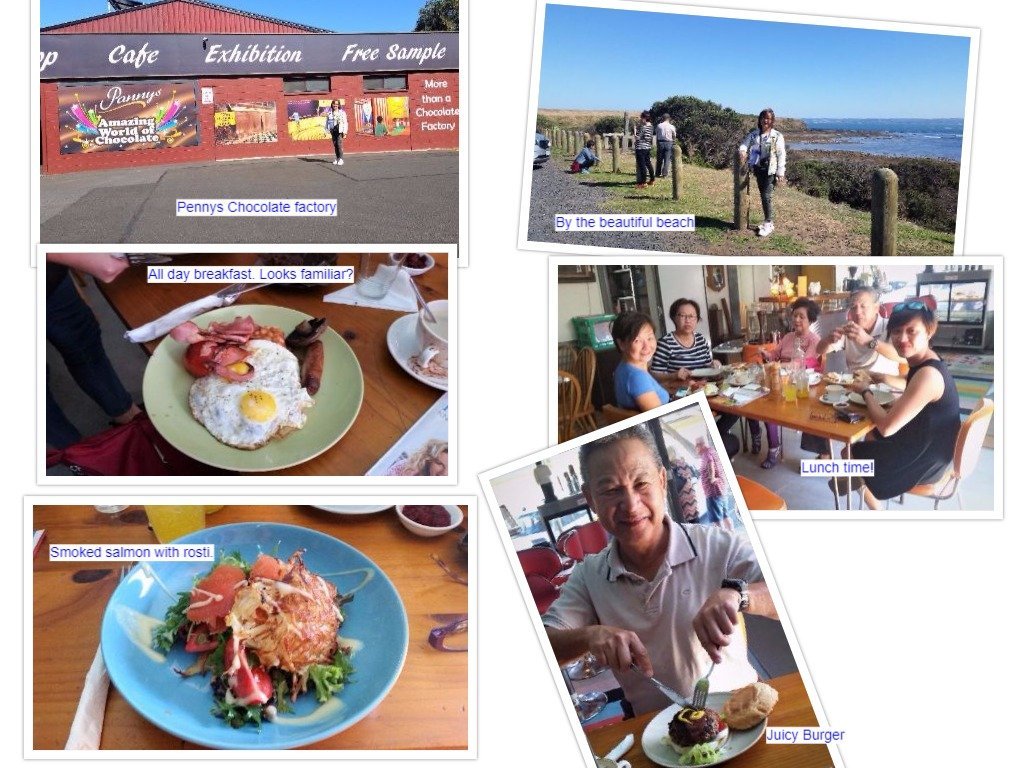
[597, 58]
[336, 15]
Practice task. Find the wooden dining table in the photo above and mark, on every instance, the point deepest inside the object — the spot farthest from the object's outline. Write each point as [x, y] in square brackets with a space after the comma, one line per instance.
[807, 414]
[392, 401]
[793, 710]
[426, 709]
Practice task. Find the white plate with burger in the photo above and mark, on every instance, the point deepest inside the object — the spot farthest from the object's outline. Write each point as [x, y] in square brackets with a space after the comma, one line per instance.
[704, 729]
[252, 411]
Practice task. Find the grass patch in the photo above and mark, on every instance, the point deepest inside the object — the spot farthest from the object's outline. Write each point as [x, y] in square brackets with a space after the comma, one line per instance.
[805, 225]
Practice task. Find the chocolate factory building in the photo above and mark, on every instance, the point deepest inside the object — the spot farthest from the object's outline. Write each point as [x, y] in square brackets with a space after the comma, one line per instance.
[183, 80]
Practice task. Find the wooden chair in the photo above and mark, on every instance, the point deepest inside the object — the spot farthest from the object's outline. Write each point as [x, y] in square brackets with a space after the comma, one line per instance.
[569, 396]
[567, 353]
[758, 496]
[584, 368]
[613, 414]
[969, 442]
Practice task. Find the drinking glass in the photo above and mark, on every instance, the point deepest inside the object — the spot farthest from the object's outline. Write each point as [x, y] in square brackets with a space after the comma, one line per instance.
[375, 275]
[172, 521]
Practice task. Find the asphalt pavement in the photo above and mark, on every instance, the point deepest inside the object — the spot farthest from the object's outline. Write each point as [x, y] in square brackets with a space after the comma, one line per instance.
[395, 197]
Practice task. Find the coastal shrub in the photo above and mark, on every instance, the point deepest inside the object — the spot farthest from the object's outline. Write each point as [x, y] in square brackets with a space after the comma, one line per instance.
[607, 124]
[708, 132]
[927, 192]
[544, 124]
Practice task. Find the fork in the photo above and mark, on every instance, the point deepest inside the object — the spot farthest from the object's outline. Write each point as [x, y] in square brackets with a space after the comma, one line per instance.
[700, 690]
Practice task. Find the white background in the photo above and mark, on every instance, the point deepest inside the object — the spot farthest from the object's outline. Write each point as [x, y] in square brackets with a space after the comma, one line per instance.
[911, 629]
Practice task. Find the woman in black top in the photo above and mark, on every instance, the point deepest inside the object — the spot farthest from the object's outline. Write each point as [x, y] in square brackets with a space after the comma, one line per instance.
[913, 442]
[642, 147]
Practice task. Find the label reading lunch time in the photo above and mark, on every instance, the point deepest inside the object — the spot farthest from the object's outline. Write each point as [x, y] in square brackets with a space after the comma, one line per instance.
[803, 735]
[837, 467]
[594, 222]
[267, 274]
[166, 553]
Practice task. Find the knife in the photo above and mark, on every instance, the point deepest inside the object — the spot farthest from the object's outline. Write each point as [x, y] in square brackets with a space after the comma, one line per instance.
[222, 298]
[674, 696]
[142, 258]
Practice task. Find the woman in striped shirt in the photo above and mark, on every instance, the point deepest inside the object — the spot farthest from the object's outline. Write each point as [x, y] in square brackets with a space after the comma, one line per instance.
[683, 350]
[644, 141]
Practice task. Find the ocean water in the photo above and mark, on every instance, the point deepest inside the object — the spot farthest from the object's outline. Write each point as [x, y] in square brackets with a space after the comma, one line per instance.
[905, 137]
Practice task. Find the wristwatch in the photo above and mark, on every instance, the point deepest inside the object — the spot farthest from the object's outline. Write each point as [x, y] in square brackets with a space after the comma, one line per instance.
[873, 343]
[740, 586]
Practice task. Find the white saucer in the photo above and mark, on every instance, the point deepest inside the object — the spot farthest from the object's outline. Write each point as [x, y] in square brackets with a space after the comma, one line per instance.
[829, 401]
[353, 509]
[402, 345]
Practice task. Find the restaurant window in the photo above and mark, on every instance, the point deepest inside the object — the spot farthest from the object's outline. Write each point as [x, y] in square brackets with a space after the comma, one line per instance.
[385, 83]
[304, 84]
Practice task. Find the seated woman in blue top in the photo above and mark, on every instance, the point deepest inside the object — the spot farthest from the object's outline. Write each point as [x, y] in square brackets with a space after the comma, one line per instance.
[635, 388]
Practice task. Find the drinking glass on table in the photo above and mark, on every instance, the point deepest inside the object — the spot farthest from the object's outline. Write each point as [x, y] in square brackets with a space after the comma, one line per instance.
[172, 521]
[376, 275]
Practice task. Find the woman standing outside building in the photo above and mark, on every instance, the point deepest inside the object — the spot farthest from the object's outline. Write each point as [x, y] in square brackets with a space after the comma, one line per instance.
[765, 151]
[337, 126]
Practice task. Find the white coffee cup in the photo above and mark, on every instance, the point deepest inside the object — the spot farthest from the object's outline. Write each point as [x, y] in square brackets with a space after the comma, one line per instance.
[432, 337]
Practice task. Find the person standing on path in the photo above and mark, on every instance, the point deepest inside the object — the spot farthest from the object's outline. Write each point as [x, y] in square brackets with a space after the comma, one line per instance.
[764, 150]
[337, 125]
[644, 141]
[666, 138]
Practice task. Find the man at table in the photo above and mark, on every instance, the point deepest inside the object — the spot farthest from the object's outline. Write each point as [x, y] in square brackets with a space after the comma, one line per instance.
[863, 340]
[664, 596]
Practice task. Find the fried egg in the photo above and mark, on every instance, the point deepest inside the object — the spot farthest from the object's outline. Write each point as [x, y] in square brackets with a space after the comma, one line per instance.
[249, 414]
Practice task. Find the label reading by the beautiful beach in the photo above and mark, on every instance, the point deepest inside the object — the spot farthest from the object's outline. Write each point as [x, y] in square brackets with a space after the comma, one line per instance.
[595, 222]
[837, 467]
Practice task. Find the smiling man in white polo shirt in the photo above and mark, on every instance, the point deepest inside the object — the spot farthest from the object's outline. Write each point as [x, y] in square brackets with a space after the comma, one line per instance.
[664, 596]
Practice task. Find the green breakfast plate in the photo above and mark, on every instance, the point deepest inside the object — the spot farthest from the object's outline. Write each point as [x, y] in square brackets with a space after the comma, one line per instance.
[166, 384]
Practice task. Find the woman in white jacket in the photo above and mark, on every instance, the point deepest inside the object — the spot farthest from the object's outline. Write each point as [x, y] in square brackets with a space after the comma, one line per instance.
[337, 125]
[765, 152]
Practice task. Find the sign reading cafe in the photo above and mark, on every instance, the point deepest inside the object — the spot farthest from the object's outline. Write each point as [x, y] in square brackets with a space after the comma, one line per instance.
[95, 56]
[126, 116]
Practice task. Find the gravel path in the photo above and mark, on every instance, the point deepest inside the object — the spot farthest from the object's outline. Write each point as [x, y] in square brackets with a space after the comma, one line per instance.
[555, 190]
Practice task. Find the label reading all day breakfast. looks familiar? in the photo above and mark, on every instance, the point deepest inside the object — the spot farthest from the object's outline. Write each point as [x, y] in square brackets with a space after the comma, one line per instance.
[183, 275]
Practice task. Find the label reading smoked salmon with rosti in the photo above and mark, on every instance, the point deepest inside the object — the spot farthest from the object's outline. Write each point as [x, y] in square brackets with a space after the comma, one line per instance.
[167, 553]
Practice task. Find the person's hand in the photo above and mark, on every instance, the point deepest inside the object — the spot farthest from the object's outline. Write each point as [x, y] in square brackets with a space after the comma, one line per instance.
[618, 648]
[683, 374]
[860, 386]
[780, 181]
[716, 364]
[716, 621]
[855, 333]
[837, 334]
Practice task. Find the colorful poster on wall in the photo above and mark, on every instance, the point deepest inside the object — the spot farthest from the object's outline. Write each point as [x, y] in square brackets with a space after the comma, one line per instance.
[382, 115]
[306, 119]
[245, 122]
[155, 114]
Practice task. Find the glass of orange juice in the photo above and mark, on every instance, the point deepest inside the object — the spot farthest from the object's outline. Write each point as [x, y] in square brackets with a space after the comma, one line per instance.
[172, 521]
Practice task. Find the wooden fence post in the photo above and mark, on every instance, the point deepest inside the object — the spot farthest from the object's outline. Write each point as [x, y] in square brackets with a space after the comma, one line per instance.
[677, 170]
[740, 191]
[598, 146]
[885, 185]
[615, 154]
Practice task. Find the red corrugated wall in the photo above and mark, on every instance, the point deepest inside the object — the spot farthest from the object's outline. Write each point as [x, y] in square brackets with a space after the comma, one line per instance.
[180, 17]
